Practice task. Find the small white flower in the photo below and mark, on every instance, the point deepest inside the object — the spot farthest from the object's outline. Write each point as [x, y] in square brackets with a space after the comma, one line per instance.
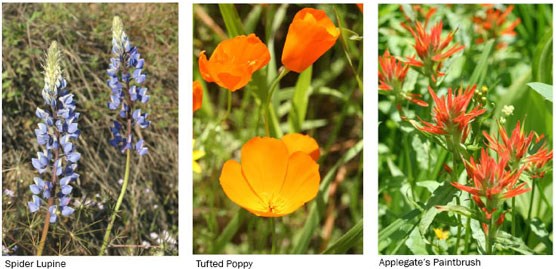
[508, 110]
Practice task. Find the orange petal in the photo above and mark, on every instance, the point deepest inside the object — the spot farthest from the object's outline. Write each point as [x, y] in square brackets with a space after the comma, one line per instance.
[301, 184]
[304, 143]
[203, 67]
[238, 189]
[264, 163]
[310, 35]
[197, 95]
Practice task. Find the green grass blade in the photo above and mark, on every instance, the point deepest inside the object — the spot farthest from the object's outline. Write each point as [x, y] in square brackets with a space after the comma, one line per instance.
[233, 23]
[302, 242]
[542, 59]
[348, 240]
[300, 100]
[481, 69]
[228, 232]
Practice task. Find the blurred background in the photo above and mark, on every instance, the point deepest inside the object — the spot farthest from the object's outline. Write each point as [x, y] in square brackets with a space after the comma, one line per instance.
[148, 222]
[334, 118]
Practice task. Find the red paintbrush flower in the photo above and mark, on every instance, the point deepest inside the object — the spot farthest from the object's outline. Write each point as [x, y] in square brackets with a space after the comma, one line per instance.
[391, 76]
[491, 179]
[493, 25]
[535, 166]
[419, 13]
[450, 114]
[515, 146]
[431, 49]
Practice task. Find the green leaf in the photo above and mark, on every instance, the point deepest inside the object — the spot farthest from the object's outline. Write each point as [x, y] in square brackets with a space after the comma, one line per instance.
[233, 23]
[317, 209]
[542, 59]
[506, 241]
[398, 229]
[351, 238]
[482, 66]
[228, 232]
[544, 90]
[539, 229]
[458, 209]
[478, 235]
[300, 100]
[416, 244]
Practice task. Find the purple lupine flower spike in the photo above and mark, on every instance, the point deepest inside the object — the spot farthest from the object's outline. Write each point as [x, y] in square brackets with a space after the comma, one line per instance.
[126, 79]
[56, 133]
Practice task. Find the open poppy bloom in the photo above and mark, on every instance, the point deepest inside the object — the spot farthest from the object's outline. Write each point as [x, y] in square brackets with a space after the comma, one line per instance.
[197, 95]
[430, 47]
[494, 25]
[234, 61]
[310, 35]
[450, 114]
[275, 177]
[391, 76]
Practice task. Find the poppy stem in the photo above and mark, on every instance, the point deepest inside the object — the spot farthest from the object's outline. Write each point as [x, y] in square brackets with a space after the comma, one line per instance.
[266, 105]
[273, 236]
[229, 107]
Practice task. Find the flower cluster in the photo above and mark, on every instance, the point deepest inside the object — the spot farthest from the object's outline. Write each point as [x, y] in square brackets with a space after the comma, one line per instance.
[391, 76]
[493, 25]
[431, 49]
[56, 132]
[126, 81]
[450, 114]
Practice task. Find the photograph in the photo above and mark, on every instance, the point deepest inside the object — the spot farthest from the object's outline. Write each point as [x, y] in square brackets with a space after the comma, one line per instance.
[89, 129]
[465, 129]
[277, 128]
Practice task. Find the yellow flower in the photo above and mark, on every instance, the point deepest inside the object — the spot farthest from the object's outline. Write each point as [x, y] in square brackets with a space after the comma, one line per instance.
[197, 154]
[275, 177]
[441, 234]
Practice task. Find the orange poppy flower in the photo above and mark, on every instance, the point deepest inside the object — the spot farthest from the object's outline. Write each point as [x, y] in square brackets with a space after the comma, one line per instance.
[275, 177]
[450, 113]
[494, 25]
[310, 35]
[360, 6]
[234, 61]
[197, 95]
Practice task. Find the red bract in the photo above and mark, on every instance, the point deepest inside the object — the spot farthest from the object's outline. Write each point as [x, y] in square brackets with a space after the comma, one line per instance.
[491, 179]
[431, 48]
[494, 25]
[392, 72]
[536, 163]
[450, 113]
[514, 146]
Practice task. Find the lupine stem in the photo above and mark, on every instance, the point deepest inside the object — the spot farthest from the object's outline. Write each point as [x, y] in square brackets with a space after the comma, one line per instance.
[52, 193]
[118, 204]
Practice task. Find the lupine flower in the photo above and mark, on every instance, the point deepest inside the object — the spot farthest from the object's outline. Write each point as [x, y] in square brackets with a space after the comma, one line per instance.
[450, 114]
[275, 177]
[310, 35]
[56, 133]
[493, 25]
[391, 76]
[234, 61]
[126, 81]
[197, 95]
[430, 48]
